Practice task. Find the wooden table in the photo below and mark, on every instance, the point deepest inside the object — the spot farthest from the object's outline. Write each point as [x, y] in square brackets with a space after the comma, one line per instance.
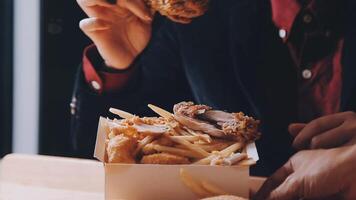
[50, 178]
[45, 177]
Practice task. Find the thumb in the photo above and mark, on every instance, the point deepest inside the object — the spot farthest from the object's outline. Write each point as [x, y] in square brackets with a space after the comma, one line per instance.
[274, 181]
[288, 190]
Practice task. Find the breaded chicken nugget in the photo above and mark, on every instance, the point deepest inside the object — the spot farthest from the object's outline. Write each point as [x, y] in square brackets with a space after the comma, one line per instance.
[120, 149]
[164, 159]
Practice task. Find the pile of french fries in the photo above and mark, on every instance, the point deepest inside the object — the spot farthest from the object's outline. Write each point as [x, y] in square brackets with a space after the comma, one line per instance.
[176, 141]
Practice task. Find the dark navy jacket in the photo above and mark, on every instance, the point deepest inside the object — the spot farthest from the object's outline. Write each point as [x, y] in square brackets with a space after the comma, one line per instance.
[232, 59]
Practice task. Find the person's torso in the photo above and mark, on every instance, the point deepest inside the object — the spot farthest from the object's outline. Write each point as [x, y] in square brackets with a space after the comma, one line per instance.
[235, 60]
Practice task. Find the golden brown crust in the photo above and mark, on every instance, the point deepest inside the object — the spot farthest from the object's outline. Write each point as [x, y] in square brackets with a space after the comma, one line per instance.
[179, 10]
[120, 149]
[164, 159]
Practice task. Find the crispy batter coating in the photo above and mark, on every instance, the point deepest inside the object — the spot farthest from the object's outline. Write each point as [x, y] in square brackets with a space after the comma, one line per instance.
[181, 11]
[164, 159]
[120, 149]
[140, 127]
[217, 123]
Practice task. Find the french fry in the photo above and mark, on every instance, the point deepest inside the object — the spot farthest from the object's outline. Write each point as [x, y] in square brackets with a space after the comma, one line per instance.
[214, 147]
[194, 185]
[235, 158]
[213, 188]
[247, 162]
[161, 112]
[231, 149]
[190, 146]
[206, 160]
[204, 137]
[209, 147]
[177, 151]
[182, 132]
[224, 153]
[191, 138]
[191, 132]
[144, 142]
[121, 113]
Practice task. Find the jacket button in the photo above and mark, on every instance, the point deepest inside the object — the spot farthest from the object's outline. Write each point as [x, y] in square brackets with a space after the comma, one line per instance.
[73, 106]
[307, 18]
[95, 85]
[282, 33]
[307, 74]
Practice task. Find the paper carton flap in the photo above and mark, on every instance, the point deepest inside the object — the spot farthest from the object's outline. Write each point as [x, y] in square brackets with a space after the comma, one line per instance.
[99, 151]
[251, 151]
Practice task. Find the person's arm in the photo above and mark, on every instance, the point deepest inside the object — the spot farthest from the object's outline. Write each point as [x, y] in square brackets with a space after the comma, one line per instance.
[158, 78]
[314, 174]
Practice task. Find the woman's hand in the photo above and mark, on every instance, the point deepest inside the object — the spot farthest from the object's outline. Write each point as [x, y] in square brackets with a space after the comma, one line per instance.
[120, 31]
[326, 132]
[314, 174]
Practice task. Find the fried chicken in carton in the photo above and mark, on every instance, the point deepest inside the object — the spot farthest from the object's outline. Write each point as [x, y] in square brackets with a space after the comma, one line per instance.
[192, 134]
[135, 150]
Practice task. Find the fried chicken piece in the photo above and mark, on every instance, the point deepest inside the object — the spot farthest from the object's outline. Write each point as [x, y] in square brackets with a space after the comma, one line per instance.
[164, 159]
[123, 130]
[217, 123]
[181, 11]
[120, 149]
[138, 127]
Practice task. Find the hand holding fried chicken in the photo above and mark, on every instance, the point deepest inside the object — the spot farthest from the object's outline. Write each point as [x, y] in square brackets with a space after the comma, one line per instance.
[122, 30]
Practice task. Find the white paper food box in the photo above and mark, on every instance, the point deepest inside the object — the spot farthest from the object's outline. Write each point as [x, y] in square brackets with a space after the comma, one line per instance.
[155, 182]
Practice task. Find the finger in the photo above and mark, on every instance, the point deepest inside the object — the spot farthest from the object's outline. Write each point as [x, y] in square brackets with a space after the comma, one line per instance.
[93, 24]
[138, 8]
[95, 8]
[352, 141]
[330, 139]
[294, 129]
[317, 127]
[90, 3]
[288, 190]
[274, 181]
[178, 19]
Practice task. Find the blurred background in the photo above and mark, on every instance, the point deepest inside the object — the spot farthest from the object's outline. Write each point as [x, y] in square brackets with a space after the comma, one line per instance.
[40, 49]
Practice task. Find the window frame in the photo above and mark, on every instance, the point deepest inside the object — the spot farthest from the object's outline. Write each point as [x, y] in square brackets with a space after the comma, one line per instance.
[6, 74]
